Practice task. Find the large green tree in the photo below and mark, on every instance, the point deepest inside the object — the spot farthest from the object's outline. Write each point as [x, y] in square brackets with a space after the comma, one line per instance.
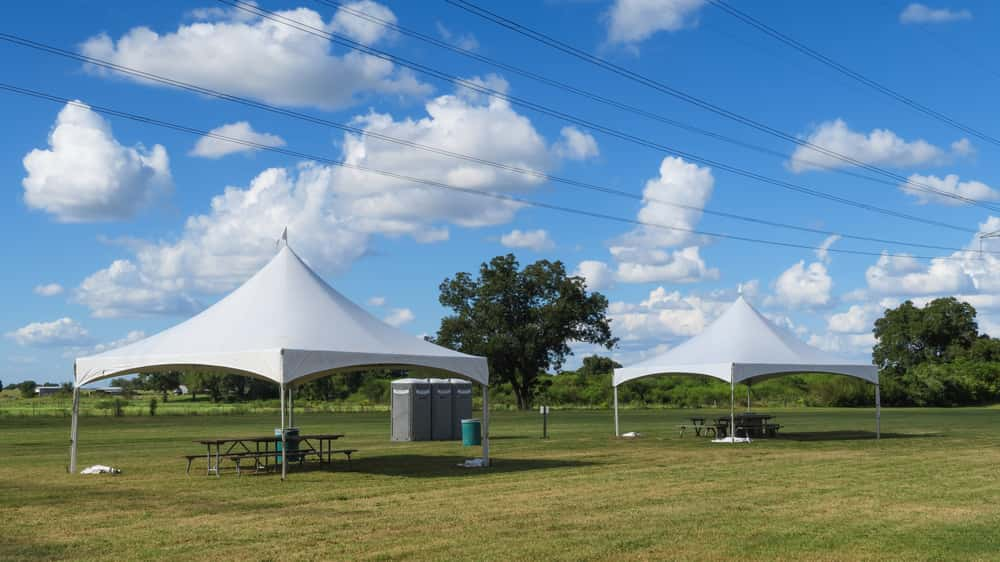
[523, 321]
[160, 382]
[908, 336]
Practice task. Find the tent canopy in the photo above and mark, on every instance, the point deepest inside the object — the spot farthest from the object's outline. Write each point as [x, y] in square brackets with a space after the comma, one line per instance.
[744, 346]
[284, 324]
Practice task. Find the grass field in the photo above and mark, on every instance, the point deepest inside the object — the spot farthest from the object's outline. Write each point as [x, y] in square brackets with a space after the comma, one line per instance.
[930, 490]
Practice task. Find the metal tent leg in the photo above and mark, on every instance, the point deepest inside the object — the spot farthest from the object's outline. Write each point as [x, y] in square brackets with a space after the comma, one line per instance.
[732, 410]
[284, 447]
[878, 413]
[74, 426]
[617, 433]
[486, 425]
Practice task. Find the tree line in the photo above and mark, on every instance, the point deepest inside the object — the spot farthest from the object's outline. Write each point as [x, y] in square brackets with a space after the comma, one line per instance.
[525, 320]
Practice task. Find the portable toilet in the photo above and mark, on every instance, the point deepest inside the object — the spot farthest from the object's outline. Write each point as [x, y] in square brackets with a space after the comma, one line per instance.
[461, 405]
[441, 429]
[411, 410]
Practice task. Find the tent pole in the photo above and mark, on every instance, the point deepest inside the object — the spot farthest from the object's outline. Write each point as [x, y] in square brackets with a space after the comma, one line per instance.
[732, 408]
[284, 448]
[617, 433]
[878, 413]
[748, 398]
[486, 425]
[291, 406]
[74, 425]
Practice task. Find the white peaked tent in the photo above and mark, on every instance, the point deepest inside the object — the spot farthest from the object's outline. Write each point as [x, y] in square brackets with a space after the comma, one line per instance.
[742, 346]
[284, 324]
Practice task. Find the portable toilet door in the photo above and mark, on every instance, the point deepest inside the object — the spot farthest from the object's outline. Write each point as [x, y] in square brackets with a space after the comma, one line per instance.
[441, 410]
[411, 410]
[461, 405]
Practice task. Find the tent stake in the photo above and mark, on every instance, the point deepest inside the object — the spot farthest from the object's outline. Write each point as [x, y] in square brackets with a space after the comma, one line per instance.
[74, 425]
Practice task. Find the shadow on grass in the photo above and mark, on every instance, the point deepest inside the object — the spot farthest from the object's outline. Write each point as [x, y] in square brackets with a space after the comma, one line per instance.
[434, 466]
[848, 436]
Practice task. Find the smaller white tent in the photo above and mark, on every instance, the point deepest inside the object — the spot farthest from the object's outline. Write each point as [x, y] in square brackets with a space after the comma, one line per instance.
[742, 346]
[286, 325]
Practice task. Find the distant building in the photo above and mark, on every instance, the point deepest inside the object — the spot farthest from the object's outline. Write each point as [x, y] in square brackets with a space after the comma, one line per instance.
[108, 390]
[47, 390]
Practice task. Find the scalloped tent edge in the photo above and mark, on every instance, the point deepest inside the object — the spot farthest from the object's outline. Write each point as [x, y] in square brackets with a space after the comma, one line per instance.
[742, 346]
[285, 325]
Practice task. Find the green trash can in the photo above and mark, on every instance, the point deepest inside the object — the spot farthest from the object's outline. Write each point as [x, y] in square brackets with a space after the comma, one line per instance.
[472, 434]
[293, 445]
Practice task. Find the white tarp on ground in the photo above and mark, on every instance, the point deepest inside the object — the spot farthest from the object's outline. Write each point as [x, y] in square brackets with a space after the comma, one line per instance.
[744, 346]
[284, 324]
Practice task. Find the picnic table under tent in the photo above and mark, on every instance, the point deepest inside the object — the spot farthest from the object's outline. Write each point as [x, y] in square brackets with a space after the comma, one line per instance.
[286, 325]
[742, 346]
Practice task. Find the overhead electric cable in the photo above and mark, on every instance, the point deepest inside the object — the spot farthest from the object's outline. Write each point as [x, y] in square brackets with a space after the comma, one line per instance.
[348, 9]
[702, 103]
[877, 86]
[433, 183]
[443, 152]
[483, 89]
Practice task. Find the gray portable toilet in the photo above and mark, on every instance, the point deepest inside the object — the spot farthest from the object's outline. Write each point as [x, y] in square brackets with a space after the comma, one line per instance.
[441, 410]
[461, 405]
[411, 410]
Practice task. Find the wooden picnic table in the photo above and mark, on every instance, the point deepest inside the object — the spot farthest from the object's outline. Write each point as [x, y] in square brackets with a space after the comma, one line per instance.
[749, 423]
[244, 443]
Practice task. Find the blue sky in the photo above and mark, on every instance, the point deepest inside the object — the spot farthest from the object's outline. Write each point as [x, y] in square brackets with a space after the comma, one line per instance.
[115, 229]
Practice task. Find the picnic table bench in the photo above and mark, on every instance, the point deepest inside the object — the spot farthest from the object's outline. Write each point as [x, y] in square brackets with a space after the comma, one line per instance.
[698, 425]
[239, 448]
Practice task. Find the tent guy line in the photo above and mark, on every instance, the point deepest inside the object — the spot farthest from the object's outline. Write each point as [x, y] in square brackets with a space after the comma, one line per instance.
[469, 191]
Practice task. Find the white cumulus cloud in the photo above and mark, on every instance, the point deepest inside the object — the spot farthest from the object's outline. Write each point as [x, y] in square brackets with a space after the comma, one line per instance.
[859, 318]
[576, 144]
[596, 273]
[399, 316]
[49, 290]
[879, 147]
[802, 286]
[64, 331]
[921, 13]
[332, 213]
[643, 254]
[376, 301]
[210, 147]
[263, 59]
[633, 21]
[949, 184]
[537, 240]
[86, 175]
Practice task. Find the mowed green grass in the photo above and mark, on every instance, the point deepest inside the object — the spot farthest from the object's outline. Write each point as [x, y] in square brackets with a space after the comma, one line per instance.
[929, 490]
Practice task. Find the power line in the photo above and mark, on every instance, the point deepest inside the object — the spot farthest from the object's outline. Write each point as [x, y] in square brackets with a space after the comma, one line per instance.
[563, 86]
[441, 185]
[877, 86]
[485, 90]
[147, 76]
[700, 102]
